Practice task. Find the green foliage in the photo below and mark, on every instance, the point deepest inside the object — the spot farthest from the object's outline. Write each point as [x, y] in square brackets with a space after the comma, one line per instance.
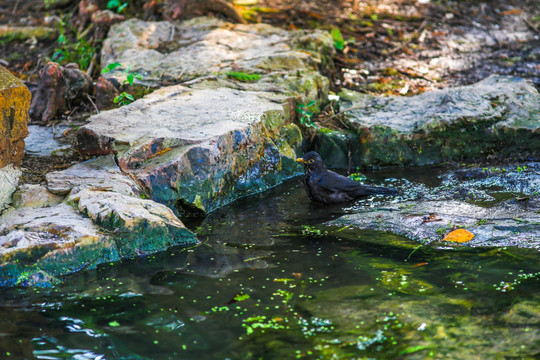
[80, 51]
[124, 99]
[306, 112]
[339, 42]
[119, 5]
[130, 75]
[241, 297]
[311, 231]
[242, 76]
[357, 177]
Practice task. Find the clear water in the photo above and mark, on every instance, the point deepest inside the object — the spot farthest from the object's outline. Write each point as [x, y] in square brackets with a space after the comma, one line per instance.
[270, 281]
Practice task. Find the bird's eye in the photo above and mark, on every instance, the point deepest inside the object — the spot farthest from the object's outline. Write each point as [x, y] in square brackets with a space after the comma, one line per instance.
[311, 161]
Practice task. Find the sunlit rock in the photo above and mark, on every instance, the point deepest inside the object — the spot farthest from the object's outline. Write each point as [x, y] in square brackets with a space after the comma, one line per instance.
[498, 117]
[199, 148]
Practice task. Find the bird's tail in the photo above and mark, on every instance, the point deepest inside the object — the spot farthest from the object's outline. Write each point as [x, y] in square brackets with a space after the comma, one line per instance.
[376, 190]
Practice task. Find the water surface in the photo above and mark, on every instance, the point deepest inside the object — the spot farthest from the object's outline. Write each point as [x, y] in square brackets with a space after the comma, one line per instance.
[271, 281]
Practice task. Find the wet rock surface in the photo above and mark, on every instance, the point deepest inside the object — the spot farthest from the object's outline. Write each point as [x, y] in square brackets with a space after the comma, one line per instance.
[498, 117]
[500, 206]
[45, 237]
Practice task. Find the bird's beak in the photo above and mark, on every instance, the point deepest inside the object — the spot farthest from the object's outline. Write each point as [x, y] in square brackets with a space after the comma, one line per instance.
[301, 160]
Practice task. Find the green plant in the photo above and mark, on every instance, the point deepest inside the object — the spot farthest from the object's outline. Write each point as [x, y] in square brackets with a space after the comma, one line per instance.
[306, 112]
[311, 231]
[80, 51]
[130, 75]
[124, 98]
[119, 5]
[339, 42]
[242, 76]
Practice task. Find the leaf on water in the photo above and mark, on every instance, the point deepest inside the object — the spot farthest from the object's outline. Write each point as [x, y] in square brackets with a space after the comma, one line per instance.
[413, 349]
[241, 297]
[459, 235]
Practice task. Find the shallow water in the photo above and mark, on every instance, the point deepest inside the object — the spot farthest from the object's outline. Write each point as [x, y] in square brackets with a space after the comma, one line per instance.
[270, 281]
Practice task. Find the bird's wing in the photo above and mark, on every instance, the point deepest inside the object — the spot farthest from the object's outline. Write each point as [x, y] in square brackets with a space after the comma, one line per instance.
[332, 181]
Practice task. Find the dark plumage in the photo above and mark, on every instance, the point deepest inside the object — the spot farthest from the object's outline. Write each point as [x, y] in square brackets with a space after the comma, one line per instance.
[325, 186]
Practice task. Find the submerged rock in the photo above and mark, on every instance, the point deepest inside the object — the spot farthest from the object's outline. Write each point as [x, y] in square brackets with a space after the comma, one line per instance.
[500, 206]
[498, 117]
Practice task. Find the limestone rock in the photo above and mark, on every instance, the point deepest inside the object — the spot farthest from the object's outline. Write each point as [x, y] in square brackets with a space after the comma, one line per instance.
[165, 51]
[55, 239]
[100, 173]
[9, 179]
[140, 226]
[199, 148]
[466, 198]
[508, 224]
[14, 105]
[34, 195]
[496, 117]
[43, 239]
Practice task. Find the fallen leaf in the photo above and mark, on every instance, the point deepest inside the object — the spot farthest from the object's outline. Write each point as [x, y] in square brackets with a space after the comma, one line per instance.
[459, 235]
[512, 12]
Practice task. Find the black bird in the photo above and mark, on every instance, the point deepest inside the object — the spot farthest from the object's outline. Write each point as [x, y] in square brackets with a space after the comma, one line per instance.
[325, 186]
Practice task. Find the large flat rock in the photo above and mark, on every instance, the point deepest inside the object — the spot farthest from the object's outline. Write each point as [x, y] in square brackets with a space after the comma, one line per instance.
[44, 236]
[498, 117]
[199, 148]
[165, 51]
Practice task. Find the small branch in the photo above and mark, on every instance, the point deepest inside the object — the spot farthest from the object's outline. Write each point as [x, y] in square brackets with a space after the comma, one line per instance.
[90, 99]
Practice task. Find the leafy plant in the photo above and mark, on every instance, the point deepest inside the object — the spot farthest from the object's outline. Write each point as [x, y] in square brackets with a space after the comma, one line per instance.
[339, 42]
[119, 5]
[124, 98]
[306, 112]
[242, 76]
[130, 75]
[311, 231]
[80, 51]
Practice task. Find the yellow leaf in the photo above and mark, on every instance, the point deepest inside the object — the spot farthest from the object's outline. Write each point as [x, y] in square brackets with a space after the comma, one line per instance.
[459, 235]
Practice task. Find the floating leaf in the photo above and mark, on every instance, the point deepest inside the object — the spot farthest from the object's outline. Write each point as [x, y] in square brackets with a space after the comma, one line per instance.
[241, 297]
[459, 235]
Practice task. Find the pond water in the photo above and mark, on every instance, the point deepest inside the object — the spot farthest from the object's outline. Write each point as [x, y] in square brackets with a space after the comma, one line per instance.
[271, 281]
